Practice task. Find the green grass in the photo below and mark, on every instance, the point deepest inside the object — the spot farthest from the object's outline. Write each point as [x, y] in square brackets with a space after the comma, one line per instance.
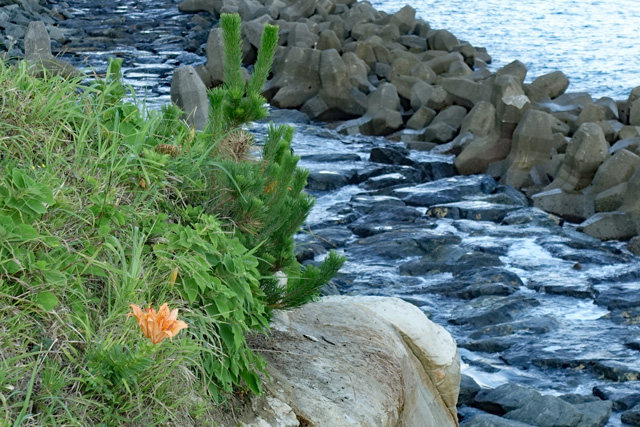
[99, 203]
[91, 220]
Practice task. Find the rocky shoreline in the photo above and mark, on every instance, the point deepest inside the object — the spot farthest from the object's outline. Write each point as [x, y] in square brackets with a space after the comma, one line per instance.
[416, 213]
[392, 75]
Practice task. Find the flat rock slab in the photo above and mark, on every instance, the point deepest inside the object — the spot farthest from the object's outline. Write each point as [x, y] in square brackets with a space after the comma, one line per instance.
[447, 190]
[471, 209]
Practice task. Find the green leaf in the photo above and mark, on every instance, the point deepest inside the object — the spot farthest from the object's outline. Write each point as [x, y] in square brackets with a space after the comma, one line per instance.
[36, 206]
[55, 277]
[104, 230]
[229, 264]
[252, 380]
[47, 300]
[191, 288]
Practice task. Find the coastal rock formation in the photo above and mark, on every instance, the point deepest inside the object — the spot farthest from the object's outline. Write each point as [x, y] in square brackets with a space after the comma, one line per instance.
[189, 93]
[37, 47]
[395, 76]
[366, 361]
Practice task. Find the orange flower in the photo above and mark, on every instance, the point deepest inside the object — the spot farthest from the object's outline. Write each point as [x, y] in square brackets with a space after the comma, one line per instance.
[160, 325]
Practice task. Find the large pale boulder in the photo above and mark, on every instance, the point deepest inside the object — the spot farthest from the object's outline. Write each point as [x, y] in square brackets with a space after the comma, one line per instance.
[442, 40]
[572, 206]
[363, 361]
[190, 94]
[441, 63]
[194, 6]
[480, 152]
[383, 114]
[634, 114]
[548, 86]
[615, 170]
[296, 78]
[298, 9]
[215, 52]
[585, 153]
[404, 19]
[329, 40]
[531, 146]
[510, 101]
[621, 224]
[515, 69]
[37, 52]
[337, 99]
[466, 92]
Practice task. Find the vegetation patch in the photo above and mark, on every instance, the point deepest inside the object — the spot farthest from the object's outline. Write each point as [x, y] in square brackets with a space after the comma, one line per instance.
[109, 212]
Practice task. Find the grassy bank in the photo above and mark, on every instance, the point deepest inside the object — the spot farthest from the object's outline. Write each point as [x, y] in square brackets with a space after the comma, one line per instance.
[104, 206]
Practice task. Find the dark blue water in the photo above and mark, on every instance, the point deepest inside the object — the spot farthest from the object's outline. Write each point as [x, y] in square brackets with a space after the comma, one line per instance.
[594, 42]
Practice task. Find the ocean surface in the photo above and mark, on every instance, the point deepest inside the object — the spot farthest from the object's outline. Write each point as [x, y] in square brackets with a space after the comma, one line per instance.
[594, 42]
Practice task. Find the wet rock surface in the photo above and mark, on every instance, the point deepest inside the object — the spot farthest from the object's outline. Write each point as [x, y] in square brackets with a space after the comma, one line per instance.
[532, 302]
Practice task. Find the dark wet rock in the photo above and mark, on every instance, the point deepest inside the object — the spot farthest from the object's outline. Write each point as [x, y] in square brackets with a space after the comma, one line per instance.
[334, 157]
[532, 216]
[578, 290]
[546, 411]
[449, 260]
[480, 364]
[534, 325]
[401, 244]
[491, 310]
[328, 180]
[385, 221]
[488, 420]
[332, 237]
[376, 170]
[629, 316]
[308, 251]
[615, 371]
[619, 297]
[468, 283]
[367, 204]
[567, 359]
[391, 156]
[579, 398]
[471, 209]
[489, 276]
[585, 253]
[505, 195]
[504, 398]
[632, 416]
[435, 169]
[594, 414]
[492, 345]
[623, 396]
[389, 180]
[480, 290]
[447, 190]
[468, 390]
[633, 344]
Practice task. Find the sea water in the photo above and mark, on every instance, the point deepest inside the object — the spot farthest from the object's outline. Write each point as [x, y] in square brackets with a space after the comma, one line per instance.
[594, 42]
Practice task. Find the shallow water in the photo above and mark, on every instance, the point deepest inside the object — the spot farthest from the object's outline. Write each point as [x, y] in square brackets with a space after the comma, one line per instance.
[594, 42]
